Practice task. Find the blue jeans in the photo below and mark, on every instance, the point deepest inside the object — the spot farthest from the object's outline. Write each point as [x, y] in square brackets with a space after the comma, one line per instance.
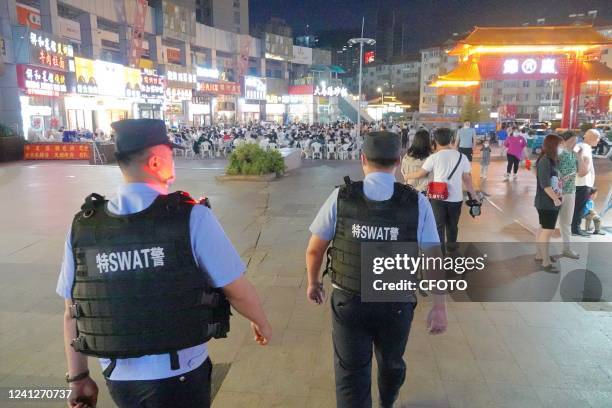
[356, 327]
[191, 390]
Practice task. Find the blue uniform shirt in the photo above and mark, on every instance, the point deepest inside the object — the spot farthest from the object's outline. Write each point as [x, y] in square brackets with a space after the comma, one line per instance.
[377, 187]
[213, 253]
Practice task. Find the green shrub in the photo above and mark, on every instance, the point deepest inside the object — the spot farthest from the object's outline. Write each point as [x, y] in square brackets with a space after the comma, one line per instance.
[250, 159]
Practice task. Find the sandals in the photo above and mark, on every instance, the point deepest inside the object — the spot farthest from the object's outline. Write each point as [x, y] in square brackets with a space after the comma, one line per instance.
[550, 269]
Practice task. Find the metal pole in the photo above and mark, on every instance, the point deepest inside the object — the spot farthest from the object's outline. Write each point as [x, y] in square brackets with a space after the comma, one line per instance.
[360, 70]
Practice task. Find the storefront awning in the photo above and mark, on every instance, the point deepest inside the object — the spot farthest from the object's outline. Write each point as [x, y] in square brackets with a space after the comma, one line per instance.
[595, 71]
[505, 39]
[466, 74]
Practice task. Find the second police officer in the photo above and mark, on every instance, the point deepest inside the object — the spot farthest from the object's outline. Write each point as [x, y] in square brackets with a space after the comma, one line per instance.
[377, 202]
[148, 278]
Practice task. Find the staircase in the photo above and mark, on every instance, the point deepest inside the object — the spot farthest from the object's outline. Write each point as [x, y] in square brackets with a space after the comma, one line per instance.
[348, 106]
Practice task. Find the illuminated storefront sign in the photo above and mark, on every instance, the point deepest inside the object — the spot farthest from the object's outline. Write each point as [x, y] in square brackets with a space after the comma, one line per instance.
[41, 81]
[254, 88]
[106, 78]
[152, 87]
[330, 91]
[369, 57]
[219, 88]
[523, 67]
[48, 52]
[289, 99]
[181, 77]
[179, 94]
[56, 151]
[211, 73]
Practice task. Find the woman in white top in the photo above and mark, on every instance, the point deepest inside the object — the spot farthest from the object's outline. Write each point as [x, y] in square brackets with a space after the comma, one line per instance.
[414, 158]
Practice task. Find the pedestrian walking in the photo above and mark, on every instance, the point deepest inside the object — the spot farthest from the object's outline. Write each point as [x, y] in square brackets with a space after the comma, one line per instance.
[515, 145]
[148, 278]
[466, 138]
[485, 159]
[358, 327]
[413, 160]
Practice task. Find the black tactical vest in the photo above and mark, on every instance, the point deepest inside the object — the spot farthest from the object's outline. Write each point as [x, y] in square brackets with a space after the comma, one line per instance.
[137, 288]
[362, 220]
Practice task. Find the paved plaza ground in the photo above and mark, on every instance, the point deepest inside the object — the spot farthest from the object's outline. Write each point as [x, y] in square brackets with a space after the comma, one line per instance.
[493, 355]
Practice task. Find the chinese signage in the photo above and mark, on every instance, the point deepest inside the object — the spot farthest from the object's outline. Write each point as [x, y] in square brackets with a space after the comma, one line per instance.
[106, 78]
[173, 55]
[179, 94]
[279, 47]
[523, 67]
[48, 52]
[254, 88]
[178, 20]
[369, 57]
[219, 88]
[41, 81]
[56, 151]
[211, 73]
[330, 91]
[289, 99]
[185, 77]
[530, 66]
[28, 16]
[302, 55]
[152, 87]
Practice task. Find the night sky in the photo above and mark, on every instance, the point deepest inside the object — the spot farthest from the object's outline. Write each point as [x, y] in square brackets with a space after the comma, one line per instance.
[431, 21]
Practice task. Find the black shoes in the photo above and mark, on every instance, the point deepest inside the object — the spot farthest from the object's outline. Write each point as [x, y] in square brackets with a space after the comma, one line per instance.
[580, 233]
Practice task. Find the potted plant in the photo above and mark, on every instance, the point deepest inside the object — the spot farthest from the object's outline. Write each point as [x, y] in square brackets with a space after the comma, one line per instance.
[251, 162]
[11, 144]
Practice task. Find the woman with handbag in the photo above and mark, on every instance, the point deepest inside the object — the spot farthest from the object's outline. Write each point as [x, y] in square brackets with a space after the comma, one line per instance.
[413, 160]
[450, 169]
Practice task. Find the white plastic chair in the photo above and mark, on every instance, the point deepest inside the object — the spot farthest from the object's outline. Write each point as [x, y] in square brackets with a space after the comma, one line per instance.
[205, 150]
[272, 146]
[344, 153]
[331, 151]
[316, 150]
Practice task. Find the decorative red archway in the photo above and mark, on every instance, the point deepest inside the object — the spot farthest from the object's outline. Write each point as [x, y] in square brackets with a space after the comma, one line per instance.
[566, 53]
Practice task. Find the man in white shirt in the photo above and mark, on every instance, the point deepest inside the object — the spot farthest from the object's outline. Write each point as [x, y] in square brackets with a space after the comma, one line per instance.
[586, 183]
[453, 168]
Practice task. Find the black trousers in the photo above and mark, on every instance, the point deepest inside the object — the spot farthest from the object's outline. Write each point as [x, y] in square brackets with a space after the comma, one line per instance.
[191, 390]
[468, 151]
[447, 220]
[582, 194]
[513, 161]
[356, 327]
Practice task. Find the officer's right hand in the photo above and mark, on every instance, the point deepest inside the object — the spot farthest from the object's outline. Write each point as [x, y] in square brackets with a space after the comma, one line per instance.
[84, 394]
[437, 320]
[315, 293]
[263, 333]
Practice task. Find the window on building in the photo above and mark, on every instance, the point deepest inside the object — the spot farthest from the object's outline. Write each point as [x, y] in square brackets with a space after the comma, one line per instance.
[525, 84]
[236, 17]
[237, 3]
[540, 83]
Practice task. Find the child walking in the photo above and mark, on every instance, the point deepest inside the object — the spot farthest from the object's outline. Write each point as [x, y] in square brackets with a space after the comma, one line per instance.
[485, 159]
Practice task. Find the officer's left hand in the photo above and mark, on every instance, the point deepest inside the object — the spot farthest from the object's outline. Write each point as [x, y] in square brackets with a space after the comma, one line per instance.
[436, 319]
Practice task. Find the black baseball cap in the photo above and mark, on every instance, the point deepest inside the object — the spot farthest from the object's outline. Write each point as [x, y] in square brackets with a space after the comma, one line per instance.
[132, 135]
[382, 145]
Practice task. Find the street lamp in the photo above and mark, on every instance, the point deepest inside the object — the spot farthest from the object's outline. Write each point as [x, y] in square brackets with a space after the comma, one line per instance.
[361, 41]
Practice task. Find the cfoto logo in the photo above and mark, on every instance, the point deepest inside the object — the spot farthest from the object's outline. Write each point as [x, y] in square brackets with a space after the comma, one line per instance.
[375, 232]
[130, 260]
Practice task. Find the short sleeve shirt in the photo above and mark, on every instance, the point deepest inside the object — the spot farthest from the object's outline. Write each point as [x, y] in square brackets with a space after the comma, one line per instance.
[567, 171]
[214, 254]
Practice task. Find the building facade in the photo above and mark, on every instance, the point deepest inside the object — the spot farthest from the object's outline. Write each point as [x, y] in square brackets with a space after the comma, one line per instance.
[68, 64]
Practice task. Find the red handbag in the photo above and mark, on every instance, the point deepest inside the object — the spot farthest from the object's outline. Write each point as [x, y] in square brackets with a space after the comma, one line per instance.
[438, 190]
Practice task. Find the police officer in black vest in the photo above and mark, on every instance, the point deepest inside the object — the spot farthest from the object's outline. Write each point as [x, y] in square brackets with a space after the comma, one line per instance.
[376, 209]
[148, 278]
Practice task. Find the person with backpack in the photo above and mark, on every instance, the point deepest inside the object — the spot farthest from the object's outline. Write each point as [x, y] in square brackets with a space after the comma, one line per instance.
[548, 198]
[450, 169]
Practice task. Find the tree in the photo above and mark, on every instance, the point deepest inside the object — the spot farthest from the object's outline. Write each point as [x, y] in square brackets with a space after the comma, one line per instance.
[470, 110]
